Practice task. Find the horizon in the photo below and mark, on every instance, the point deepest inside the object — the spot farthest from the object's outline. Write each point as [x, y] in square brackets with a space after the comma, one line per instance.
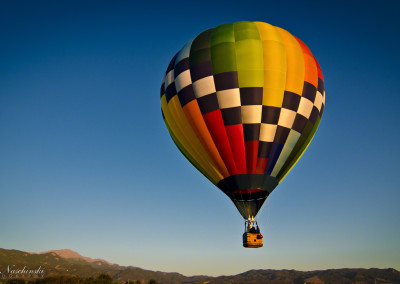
[87, 162]
[60, 253]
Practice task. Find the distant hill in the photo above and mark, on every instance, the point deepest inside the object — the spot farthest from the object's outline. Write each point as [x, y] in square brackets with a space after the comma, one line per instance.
[19, 264]
[68, 262]
[74, 256]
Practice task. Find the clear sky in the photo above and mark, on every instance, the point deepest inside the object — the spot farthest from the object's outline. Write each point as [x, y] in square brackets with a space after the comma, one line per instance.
[86, 162]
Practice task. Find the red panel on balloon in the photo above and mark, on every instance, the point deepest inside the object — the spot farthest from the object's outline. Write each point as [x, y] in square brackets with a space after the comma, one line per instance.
[216, 127]
[236, 140]
[251, 156]
[261, 164]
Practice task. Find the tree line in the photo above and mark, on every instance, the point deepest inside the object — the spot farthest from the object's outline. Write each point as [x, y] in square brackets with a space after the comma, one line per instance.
[66, 279]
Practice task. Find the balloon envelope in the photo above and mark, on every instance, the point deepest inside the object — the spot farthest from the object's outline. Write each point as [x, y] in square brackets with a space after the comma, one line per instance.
[242, 102]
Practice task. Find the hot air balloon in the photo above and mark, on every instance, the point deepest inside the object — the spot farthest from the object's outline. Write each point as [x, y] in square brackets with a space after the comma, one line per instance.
[242, 102]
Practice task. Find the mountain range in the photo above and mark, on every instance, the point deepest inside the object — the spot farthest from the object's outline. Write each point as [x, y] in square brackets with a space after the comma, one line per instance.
[27, 265]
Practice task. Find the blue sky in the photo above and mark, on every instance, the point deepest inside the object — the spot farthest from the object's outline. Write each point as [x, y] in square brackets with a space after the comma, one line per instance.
[87, 163]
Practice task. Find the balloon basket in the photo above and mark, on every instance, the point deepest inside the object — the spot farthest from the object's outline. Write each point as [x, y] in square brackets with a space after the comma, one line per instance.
[252, 237]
